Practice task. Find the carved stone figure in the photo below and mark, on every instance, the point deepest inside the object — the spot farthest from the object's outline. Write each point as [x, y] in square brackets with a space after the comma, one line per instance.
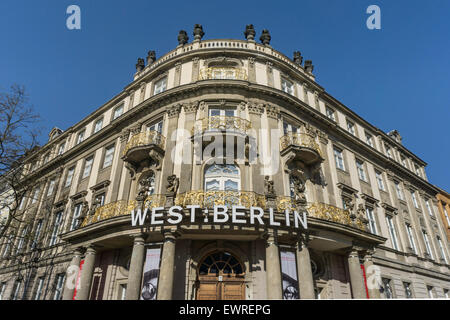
[144, 188]
[298, 59]
[250, 32]
[268, 186]
[265, 37]
[309, 66]
[96, 203]
[299, 189]
[140, 65]
[151, 57]
[198, 32]
[361, 215]
[84, 213]
[183, 38]
[173, 183]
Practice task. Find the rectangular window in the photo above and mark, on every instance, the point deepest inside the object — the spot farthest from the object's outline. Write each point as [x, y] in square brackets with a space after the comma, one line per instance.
[427, 244]
[118, 112]
[16, 290]
[446, 215]
[408, 291]
[22, 202]
[330, 113]
[287, 86]
[414, 199]
[22, 239]
[338, 157]
[109, 154]
[289, 128]
[51, 186]
[61, 148]
[387, 288]
[122, 291]
[160, 85]
[156, 127]
[388, 152]
[403, 161]
[87, 167]
[441, 248]
[392, 232]
[350, 127]
[361, 172]
[430, 292]
[75, 216]
[98, 125]
[2, 290]
[37, 234]
[428, 205]
[55, 230]
[369, 139]
[58, 286]
[35, 197]
[46, 158]
[69, 177]
[417, 170]
[80, 136]
[412, 243]
[399, 191]
[37, 295]
[380, 182]
[371, 219]
[101, 198]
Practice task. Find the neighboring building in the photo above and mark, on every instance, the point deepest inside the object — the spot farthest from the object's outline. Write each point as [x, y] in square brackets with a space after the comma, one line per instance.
[444, 210]
[367, 196]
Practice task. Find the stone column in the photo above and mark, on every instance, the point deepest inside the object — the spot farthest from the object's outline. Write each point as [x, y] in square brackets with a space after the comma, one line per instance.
[86, 274]
[69, 287]
[305, 276]
[165, 284]
[356, 276]
[136, 268]
[273, 269]
[372, 276]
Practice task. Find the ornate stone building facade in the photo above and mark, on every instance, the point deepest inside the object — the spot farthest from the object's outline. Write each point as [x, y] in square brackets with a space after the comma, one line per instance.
[374, 228]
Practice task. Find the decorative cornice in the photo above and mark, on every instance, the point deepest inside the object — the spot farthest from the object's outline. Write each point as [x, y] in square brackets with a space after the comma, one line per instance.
[100, 185]
[347, 189]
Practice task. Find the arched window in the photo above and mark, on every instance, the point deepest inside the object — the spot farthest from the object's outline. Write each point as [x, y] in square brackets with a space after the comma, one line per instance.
[221, 263]
[222, 177]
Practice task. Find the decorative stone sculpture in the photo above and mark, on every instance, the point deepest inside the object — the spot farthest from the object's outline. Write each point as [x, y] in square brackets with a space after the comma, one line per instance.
[151, 57]
[361, 215]
[84, 213]
[309, 66]
[173, 183]
[268, 186]
[299, 189]
[250, 32]
[183, 38]
[265, 37]
[298, 59]
[198, 32]
[144, 188]
[140, 65]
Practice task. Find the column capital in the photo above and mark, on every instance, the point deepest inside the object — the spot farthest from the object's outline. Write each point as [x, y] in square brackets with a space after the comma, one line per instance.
[270, 236]
[139, 237]
[91, 249]
[170, 235]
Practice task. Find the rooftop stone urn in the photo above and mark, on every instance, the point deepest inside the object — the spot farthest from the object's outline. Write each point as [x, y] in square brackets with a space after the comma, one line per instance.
[183, 38]
[198, 32]
[140, 65]
[250, 32]
[265, 37]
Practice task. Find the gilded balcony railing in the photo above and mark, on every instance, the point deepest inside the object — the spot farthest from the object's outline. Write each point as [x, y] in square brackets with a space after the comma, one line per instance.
[222, 73]
[207, 199]
[222, 123]
[145, 138]
[154, 201]
[110, 210]
[300, 139]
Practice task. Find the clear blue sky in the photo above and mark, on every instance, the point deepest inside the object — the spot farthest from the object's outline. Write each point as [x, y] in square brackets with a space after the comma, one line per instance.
[395, 78]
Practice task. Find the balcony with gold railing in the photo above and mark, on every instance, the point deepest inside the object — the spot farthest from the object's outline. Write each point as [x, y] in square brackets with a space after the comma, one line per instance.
[122, 208]
[222, 73]
[147, 138]
[222, 123]
[304, 146]
[208, 199]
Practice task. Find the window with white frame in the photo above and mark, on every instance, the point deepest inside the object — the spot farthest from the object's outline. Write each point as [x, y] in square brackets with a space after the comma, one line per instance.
[40, 286]
[22, 203]
[98, 125]
[427, 244]
[58, 286]
[371, 219]
[118, 112]
[429, 209]
[387, 288]
[9, 241]
[87, 167]
[69, 177]
[412, 243]
[229, 112]
[46, 158]
[361, 171]
[392, 232]
[23, 237]
[61, 148]
[100, 198]
[109, 154]
[330, 113]
[16, 289]
[55, 230]
[380, 182]
[446, 214]
[76, 214]
[287, 86]
[81, 136]
[51, 187]
[414, 199]
[417, 170]
[389, 152]
[441, 248]
[399, 191]
[430, 291]
[156, 127]
[160, 85]
[403, 159]
[339, 158]
[2, 290]
[408, 290]
[37, 233]
[222, 177]
[35, 196]
[351, 127]
[288, 128]
[369, 139]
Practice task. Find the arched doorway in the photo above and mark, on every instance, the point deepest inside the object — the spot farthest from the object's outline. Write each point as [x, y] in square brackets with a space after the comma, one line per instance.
[220, 277]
